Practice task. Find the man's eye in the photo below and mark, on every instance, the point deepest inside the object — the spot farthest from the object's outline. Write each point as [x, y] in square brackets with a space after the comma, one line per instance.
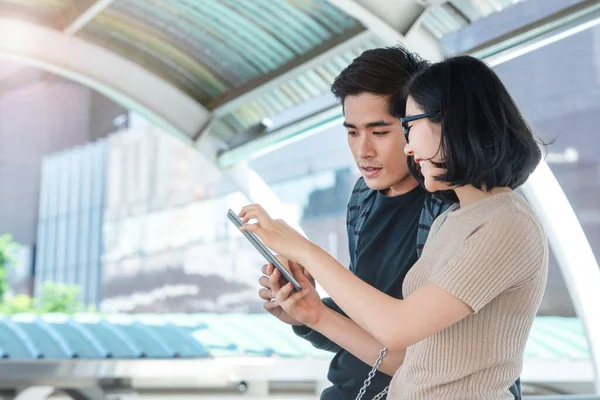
[379, 133]
[351, 133]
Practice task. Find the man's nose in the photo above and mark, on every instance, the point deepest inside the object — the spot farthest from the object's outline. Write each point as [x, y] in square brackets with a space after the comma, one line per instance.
[365, 148]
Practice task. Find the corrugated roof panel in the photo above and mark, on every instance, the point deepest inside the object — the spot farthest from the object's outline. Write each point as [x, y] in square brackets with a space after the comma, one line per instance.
[117, 344]
[281, 345]
[217, 335]
[537, 349]
[266, 43]
[180, 340]
[326, 73]
[272, 23]
[300, 90]
[321, 83]
[196, 41]
[245, 116]
[474, 10]
[209, 47]
[14, 343]
[310, 84]
[46, 339]
[290, 92]
[231, 123]
[134, 39]
[307, 349]
[151, 345]
[185, 17]
[306, 87]
[299, 22]
[217, 344]
[244, 340]
[233, 26]
[328, 15]
[273, 99]
[562, 336]
[339, 63]
[268, 106]
[453, 15]
[82, 342]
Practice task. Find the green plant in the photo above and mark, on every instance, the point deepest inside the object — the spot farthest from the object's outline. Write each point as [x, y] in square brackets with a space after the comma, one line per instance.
[53, 298]
[59, 298]
[7, 256]
[16, 305]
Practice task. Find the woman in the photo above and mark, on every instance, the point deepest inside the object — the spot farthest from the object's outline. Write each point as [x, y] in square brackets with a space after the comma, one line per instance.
[472, 297]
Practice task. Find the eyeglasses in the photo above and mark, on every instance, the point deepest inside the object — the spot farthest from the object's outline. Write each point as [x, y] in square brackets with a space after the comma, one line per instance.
[406, 120]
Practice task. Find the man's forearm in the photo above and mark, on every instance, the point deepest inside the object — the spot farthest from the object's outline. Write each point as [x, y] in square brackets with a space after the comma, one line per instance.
[315, 338]
[351, 337]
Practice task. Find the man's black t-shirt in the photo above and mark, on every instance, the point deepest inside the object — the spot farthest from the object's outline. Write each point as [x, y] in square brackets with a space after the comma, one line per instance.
[386, 250]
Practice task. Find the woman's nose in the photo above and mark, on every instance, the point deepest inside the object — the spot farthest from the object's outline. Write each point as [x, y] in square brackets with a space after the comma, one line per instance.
[408, 150]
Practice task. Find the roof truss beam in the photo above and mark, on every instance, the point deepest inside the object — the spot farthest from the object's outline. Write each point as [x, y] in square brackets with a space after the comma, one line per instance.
[91, 9]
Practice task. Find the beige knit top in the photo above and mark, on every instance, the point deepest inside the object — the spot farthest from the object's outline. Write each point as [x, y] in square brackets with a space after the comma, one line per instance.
[492, 255]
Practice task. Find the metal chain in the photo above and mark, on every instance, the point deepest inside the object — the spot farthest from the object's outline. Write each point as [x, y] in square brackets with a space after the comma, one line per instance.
[380, 395]
[363, 390]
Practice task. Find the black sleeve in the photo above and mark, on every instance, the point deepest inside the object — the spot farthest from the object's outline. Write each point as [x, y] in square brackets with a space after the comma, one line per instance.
[515, 389]
[315, 338]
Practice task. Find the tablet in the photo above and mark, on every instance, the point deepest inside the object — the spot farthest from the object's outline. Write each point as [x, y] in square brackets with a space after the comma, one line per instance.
[262, 249]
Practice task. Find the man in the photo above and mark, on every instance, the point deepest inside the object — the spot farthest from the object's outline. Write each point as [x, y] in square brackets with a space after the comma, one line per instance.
[389, 214]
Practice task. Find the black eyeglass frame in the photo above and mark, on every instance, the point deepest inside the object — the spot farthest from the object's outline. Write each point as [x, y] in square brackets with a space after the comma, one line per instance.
[404, 121]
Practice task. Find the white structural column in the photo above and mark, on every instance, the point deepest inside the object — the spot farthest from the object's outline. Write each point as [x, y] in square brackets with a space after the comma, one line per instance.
[389, 19]
[370, 20]
[572, 251]
[115, 77]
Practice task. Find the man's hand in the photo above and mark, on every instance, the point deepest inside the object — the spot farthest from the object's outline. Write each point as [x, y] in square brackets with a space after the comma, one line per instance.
[267, 294]
[305, 306]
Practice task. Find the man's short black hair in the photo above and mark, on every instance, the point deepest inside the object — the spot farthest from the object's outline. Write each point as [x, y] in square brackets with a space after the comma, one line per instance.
[382, 71]
[485, 141]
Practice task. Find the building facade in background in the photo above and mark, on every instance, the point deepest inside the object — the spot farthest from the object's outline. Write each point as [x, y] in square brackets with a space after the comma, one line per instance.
[71, 212]
[41, 114]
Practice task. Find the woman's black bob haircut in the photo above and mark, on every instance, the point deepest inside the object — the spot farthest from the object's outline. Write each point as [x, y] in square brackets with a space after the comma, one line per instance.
[485, 141]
